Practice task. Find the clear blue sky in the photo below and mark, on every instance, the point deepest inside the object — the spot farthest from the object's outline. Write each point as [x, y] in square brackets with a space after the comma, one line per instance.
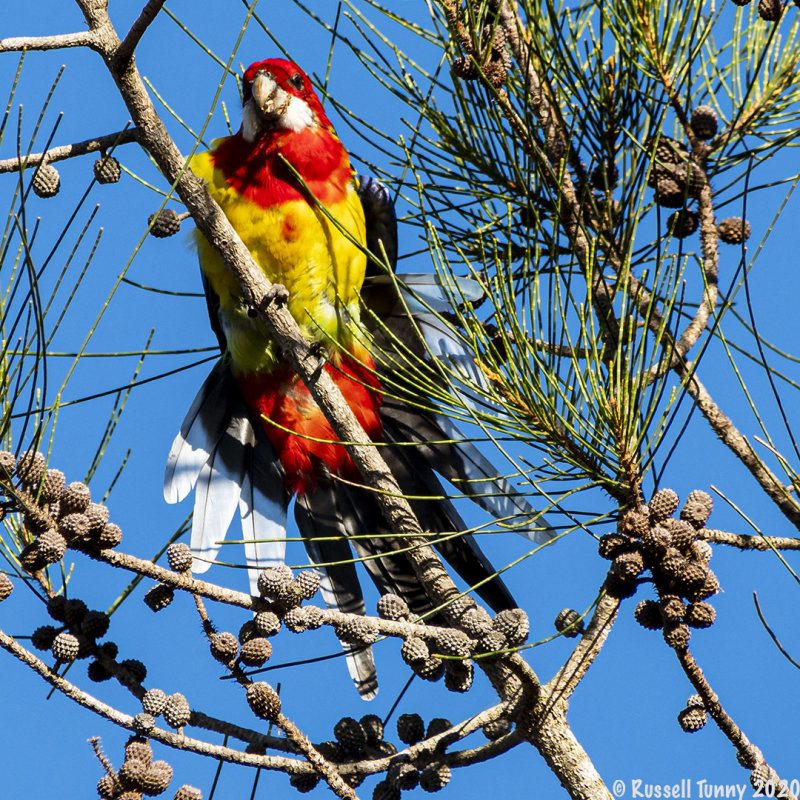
[624, 712]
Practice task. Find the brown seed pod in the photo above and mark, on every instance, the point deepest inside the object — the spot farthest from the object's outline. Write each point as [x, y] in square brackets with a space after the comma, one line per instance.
[628, 566]
[154, 702]
[137, 670]
[264, 701]
[682, 534]
[436, 726]
[131, 773]
[620, 587]
[414, 650]
[357, 631]
[734, 230]
[187, 792]
[31, 467]
[672, 609]
[373, 728]
[296, 619]
[700, 615]
[110, 536]
[65, 646]
[256, 651]
[695, 701]
[497, 728]
[403, 775]
[410, 728]
[475, 622]
[701, 551]
[770, 10]
[429, 670]
[266, 623]
[669, 193]
[179, 557]
[704, 122]
[313, 617]
[692, 719]
[42, 638]
[350, 735]
[158, 597]
[107, 169]
[492, 642]
[8, 463]
[177, 711]
[97, 672]
[569, 622]
[434, 776]
[648, 615]
[95, 624]
[73, 527]
[458, 675]
[106, 787]
[657, 540]
[690, 178]
[453, 643]
[308, 583]
[611, 544]
[633, 524]
[385, 791]
[224, 647]
[51, 546]
[672, 564]
[709, 587]
[683, 223]
[74, 499]
[464, 68]
[697, 508]
[166, 222]
[677, 636]
[272, 579]
[663, 504]
[97, 515]
[669, 151]
[393, 607]
[31, 560]
[302, 783]
[513, 624]
[6, 586]
[46, 181]
[52, 486]
[157, 778]
[144, 723]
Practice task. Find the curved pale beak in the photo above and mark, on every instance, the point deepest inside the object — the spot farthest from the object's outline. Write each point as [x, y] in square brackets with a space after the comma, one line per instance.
[270, 99]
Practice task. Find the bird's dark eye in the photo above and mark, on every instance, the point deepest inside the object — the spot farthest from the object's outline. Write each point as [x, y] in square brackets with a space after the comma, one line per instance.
[296, 81]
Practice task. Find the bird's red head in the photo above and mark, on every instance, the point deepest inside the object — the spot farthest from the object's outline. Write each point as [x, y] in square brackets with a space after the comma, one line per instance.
[278, 95]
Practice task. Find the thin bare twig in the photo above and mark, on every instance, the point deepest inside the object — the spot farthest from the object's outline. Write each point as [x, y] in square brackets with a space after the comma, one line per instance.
[748, 752]
[772, 633]
[95, 145]
[56, 42]
[745, 542]
[148, 14]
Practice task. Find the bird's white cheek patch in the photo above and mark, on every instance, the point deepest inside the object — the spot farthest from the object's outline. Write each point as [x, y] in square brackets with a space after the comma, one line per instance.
[297, 116]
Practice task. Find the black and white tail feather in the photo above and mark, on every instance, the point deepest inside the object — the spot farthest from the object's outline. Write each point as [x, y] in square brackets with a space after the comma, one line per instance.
[222, 453]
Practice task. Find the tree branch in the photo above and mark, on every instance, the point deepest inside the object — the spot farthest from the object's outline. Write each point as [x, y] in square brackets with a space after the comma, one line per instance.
[64, 151]
[148, 14]
[56, 42]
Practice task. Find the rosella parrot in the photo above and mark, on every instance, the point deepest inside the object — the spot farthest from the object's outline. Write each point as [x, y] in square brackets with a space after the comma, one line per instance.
[254, 437]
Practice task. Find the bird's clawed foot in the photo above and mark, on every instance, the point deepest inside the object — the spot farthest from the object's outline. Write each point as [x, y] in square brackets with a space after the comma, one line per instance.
[277, 293]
